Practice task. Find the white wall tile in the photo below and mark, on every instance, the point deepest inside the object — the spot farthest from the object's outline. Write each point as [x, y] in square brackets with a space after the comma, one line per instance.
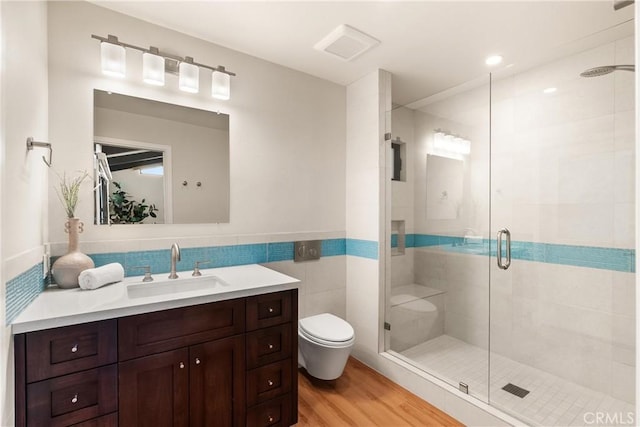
[624, 338]
[624, 225]
[333, 301]
[624, 129]
[624, 294]
[363, 301]
[623, 378]
[624, 173]
[322, 287]
[402, 268]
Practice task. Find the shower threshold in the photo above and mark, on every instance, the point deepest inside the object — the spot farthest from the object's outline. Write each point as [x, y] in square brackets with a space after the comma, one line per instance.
[551, 401]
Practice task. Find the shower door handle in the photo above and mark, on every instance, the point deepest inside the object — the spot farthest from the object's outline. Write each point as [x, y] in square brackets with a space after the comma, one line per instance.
[502, 265]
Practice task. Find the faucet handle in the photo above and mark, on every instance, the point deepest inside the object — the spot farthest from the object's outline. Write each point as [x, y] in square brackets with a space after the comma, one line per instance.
[196, 268]
[147, 272]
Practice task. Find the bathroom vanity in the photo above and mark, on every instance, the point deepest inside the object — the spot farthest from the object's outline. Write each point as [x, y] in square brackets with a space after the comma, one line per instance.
[224, 355]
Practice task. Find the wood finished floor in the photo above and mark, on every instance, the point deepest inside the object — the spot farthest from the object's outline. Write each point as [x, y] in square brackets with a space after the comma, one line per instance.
[362, 397]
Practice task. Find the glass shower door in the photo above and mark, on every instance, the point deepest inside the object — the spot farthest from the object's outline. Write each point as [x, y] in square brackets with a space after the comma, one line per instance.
[562, 171]
[437, 311]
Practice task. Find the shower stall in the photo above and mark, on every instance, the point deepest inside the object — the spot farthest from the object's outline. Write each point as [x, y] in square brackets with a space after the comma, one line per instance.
[512, 230]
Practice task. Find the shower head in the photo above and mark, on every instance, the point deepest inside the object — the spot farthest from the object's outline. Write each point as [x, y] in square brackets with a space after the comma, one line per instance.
[606, 69]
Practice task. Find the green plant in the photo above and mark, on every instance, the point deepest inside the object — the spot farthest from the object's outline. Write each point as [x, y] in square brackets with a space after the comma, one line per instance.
[68, 192]
[123, 209]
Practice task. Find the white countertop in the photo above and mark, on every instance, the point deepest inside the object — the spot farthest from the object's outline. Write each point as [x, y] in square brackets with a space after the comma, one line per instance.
[62, 307]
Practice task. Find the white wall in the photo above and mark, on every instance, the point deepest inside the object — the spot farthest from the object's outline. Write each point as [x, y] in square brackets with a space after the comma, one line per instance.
[24, 179]
[366, 170]
[147, 187]
[287, 131]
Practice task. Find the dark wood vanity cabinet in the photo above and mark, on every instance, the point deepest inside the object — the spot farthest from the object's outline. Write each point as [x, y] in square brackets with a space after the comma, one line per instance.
[228, 363]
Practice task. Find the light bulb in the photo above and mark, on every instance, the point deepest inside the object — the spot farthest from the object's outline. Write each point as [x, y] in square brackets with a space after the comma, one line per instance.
[153, 69]
[493, 60]
[189, 80]
[113, 59]
[220, 85]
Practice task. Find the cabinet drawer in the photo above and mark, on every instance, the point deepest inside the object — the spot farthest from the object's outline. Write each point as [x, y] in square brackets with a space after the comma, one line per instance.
[268, 345]
[73, 398]
[268, 382]
[54, 352]
[151, 333]
[110, 420]
[276, 412]
[268, 310]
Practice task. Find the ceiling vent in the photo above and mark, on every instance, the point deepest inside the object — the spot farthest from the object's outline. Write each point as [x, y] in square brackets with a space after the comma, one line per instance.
[346, 43]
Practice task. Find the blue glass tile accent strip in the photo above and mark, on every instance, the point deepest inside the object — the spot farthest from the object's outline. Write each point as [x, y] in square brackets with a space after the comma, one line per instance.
[362, 248]
[579, 256]
[280, 251]
[334, 247]
[23, 289]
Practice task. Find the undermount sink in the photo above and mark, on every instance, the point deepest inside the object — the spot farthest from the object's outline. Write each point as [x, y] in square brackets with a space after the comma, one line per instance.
[174, 286]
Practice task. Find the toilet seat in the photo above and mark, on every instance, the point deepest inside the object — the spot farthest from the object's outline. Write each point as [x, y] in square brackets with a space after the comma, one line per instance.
[326, 329]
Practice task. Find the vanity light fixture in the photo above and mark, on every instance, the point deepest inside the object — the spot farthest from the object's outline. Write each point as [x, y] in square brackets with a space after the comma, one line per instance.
[156, 63]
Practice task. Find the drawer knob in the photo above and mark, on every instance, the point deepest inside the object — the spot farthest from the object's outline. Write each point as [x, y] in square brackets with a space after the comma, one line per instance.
[74, 348]
[75, 399]
[270, 418]
[181, 365]
[270, 309]
[270, 346]
[197, 361]
[270, 383]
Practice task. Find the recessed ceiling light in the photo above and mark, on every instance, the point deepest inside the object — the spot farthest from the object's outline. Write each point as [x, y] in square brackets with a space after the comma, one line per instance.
[550, 90]
[493, 60]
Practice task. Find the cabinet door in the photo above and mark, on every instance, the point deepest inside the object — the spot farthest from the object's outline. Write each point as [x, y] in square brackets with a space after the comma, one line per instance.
[217, 375]
[154, 390]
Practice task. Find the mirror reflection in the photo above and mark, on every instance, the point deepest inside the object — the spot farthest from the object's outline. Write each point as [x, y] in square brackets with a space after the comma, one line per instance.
[158, 163]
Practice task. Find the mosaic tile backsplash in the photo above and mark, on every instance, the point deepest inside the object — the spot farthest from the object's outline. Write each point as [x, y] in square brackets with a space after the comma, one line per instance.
[23, 289]
[215, 256]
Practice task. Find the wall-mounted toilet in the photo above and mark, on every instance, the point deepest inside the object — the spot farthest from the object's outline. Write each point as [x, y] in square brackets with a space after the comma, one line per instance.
[324, 345]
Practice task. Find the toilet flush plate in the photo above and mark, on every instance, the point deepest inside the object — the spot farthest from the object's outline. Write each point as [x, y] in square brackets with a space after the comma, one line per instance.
[307, 250]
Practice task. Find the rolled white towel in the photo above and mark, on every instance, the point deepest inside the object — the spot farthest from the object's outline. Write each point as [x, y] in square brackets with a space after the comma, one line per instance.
[94, 278]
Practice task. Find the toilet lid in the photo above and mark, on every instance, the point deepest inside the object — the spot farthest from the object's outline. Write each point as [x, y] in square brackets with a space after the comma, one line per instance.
[327, 327]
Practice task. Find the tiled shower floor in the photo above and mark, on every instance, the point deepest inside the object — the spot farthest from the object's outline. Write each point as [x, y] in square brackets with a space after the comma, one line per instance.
[552, 401]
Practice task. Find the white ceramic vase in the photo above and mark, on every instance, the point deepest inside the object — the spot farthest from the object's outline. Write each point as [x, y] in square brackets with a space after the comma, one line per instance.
[68, 267]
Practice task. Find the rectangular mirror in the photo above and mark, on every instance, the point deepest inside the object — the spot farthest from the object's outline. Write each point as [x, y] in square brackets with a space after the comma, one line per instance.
[445, 178]
[158, 163]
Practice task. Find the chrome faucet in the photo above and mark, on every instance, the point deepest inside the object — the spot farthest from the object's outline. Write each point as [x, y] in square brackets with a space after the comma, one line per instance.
[175, 257]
